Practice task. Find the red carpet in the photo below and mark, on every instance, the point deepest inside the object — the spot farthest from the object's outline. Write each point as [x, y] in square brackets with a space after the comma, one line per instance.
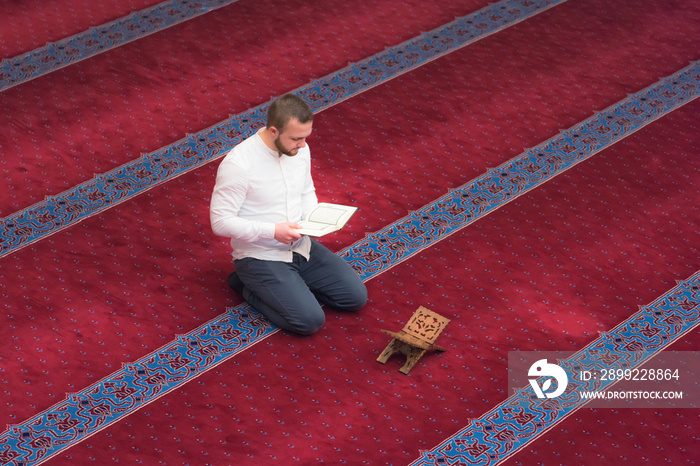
[545, 272]
[117, 112]
[30, 24]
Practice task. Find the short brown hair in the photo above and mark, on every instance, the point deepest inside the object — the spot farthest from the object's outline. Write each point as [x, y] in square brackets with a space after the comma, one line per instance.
[285, 108]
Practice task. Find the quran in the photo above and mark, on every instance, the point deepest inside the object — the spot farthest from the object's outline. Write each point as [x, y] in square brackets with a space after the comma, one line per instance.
[326, 218]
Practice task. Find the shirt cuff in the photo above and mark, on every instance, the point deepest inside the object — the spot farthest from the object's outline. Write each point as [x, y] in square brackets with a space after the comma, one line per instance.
[268, 231]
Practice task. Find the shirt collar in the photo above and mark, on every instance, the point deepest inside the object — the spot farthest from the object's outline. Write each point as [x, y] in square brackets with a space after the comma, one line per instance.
[267, 150]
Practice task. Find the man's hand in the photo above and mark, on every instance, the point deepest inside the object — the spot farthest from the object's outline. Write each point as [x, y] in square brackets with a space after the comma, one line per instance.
[287, 232]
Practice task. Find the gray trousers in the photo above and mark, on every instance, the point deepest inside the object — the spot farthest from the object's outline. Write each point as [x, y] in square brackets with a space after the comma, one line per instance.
[290, 294]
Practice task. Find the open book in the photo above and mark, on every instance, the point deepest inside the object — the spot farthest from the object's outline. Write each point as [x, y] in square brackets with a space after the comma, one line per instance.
[326, 218]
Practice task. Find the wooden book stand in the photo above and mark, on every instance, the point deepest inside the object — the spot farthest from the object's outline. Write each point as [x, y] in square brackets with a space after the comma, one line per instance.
[417, 337]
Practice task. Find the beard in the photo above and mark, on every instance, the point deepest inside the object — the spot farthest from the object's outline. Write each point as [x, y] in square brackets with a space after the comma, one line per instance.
[283, 150]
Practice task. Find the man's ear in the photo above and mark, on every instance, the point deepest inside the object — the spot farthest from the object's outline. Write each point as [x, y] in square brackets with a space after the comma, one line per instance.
[273, 131]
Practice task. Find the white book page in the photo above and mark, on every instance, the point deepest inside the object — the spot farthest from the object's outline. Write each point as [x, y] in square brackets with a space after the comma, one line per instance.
[326, 214]
[326, 218]
[313, 226]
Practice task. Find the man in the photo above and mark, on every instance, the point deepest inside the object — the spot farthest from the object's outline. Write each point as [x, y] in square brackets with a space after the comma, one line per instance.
[263, 188]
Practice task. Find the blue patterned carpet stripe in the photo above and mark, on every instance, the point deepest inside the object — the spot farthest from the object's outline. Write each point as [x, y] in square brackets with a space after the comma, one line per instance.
[57, 55]
[521, 174]
[109, 189]
[179, 362]
[510, 426]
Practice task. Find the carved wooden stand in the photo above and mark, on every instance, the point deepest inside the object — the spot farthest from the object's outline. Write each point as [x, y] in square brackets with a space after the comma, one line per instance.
[417, 337]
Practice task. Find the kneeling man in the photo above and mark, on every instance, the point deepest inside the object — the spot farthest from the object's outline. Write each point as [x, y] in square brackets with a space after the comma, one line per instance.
[263, 189]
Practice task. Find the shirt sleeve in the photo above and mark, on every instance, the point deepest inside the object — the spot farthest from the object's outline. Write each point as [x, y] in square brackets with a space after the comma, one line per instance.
[226, 200]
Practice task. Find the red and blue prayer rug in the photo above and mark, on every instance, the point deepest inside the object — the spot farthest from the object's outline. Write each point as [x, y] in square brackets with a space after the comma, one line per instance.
[180, 361]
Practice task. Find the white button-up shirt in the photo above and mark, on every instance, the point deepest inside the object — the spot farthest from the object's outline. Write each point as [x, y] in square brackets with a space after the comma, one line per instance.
[255, 189]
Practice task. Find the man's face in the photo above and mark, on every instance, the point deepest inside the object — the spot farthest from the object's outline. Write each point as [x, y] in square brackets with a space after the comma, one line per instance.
[292, 137]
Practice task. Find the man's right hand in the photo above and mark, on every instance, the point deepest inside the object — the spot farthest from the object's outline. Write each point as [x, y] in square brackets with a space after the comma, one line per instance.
[287, 232]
